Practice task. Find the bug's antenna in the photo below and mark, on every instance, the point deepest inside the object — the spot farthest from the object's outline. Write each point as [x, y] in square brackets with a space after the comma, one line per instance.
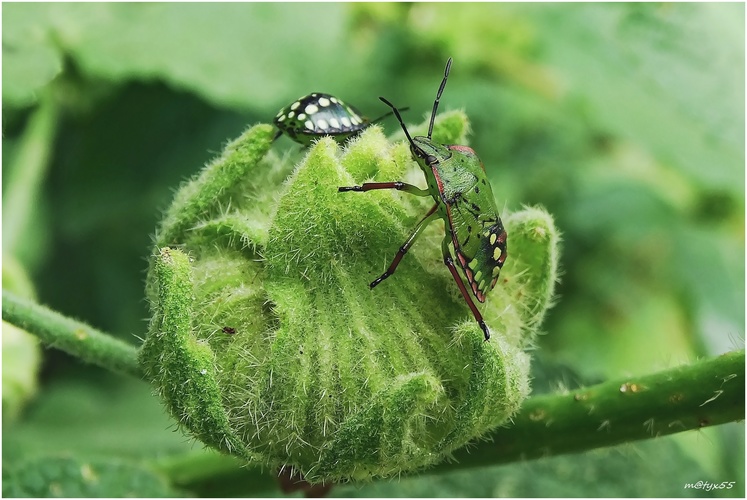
[377, 120]
[438, 97]
[399, 118]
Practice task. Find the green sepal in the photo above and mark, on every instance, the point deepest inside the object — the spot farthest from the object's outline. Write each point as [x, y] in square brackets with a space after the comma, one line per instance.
[180, 365]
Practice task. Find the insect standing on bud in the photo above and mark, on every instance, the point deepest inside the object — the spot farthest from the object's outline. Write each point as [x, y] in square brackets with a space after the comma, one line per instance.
[463, 197]
[318, 115]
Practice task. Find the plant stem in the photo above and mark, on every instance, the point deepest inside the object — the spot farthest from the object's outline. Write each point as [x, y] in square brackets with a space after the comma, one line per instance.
[26, 173]
[71, 336]
[708, 392]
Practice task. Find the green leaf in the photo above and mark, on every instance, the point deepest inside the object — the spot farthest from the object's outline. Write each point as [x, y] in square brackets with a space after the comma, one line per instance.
[667, 76]
[30, 58]
[51, 476]
[26, 69]
[101, 415]
[209, 49]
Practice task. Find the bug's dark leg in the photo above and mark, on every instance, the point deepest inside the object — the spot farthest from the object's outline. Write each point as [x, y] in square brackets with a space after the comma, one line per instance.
[450, 264]
[404, 248]
[399, 186]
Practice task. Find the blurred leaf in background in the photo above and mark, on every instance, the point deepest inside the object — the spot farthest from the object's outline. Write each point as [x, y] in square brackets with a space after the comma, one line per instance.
[625, 120]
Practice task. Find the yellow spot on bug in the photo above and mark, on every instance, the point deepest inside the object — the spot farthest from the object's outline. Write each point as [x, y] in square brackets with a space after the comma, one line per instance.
[478, 275]
[496, 271]
[472, 264]
[496, 253]
[493, 237]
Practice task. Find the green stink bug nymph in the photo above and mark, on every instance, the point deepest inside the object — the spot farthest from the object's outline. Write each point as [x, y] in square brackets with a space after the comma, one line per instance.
[318, 115]
[463, 197]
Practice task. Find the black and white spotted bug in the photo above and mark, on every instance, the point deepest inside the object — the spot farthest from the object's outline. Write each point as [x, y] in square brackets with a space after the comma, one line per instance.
[317, 115]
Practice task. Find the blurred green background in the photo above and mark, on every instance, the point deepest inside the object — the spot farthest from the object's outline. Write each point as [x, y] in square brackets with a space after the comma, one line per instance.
[626, 121]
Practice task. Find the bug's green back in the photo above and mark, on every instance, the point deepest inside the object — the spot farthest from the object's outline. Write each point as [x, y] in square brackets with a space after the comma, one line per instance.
[458, 183]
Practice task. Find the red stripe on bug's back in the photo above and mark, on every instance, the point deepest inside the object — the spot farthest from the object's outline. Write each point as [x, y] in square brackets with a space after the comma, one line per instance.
[439, 183]
[462, 260]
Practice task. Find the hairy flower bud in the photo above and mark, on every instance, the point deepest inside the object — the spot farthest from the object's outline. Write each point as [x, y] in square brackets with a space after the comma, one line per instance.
[267, 343]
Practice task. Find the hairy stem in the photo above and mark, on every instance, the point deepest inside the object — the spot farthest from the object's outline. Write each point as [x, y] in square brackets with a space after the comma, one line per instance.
[71, 336]
[705, 393]
[26, 173]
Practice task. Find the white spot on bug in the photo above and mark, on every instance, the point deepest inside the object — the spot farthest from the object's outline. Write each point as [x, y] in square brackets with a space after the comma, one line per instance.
[355, 120]
[345, 121]
[333, 99]
[291, 114]
[311, 109]
[323, 102]
[334, 123]
[281, 118]
[301, 116]
[295, 105]
[309, 125]
[322, 124]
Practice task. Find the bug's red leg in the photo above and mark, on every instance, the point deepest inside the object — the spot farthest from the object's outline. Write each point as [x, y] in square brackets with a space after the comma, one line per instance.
[475, 312]
[399, 186]
[404, 248]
